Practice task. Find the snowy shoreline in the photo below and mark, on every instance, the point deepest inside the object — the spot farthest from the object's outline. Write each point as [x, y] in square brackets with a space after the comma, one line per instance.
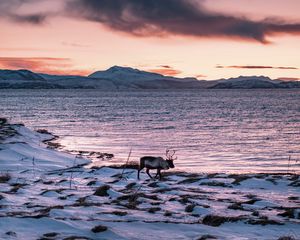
[47, 194]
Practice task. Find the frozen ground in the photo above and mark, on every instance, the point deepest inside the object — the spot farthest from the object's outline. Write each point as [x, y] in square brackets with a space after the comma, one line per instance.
[45, 194]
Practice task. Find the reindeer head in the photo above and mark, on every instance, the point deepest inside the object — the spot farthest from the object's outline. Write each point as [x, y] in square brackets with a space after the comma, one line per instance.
[170, 159]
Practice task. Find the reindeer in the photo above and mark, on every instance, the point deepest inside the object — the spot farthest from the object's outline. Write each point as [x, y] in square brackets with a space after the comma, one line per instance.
[157, 163]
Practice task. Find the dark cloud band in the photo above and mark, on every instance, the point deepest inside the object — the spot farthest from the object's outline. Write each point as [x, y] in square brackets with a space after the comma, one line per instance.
[174, 17]
[257, 67]
[158, 18]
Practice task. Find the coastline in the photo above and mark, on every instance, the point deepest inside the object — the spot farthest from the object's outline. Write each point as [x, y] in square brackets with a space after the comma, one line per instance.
[55, 194]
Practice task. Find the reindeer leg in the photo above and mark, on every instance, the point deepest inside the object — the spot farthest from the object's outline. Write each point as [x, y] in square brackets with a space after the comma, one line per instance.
[147, 171]
[138, 175]
[142, 165]
[157, 173]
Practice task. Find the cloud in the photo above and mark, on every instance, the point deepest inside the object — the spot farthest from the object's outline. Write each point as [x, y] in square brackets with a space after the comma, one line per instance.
[201, 76]
[41, 64]
[9, 9]
[74, 44]
[14, 49]
[166, 70]
[149, 18]
[33, 63]
[175, 17]
[31, 18]
[287, 68]
[256, 67]
[165, 66]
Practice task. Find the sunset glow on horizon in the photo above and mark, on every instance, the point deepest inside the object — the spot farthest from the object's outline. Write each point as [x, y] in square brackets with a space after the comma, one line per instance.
[184, 38]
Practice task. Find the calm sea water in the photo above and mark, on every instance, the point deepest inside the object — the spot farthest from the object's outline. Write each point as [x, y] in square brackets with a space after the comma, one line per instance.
[212, 130]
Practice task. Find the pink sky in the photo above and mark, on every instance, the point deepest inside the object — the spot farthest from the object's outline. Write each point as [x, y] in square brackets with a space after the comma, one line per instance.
[44, 36]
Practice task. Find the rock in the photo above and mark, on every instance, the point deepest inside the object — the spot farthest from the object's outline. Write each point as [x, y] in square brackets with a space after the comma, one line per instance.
[99, 228]
[51, 234]
[102, 191]
[190, 208]
[4, 178]
[206, 237]
[215, 221]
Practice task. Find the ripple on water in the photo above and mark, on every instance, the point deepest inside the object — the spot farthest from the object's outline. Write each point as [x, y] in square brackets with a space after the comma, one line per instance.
[213, 130]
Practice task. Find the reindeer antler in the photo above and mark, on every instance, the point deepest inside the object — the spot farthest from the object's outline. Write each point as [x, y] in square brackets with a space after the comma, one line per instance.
[170, 153]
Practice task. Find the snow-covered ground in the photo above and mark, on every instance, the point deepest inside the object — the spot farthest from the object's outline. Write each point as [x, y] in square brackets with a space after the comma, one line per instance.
[46, 194]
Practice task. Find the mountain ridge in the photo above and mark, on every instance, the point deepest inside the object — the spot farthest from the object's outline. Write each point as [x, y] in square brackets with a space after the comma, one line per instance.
[122, 78]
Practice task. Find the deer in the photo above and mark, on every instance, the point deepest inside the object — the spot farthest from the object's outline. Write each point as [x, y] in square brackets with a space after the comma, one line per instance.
[159, 163]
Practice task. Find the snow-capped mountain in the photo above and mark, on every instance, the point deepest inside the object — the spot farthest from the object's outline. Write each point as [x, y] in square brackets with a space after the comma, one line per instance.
[135, 78]
[248, 82]
[116, 78]
[125, 73]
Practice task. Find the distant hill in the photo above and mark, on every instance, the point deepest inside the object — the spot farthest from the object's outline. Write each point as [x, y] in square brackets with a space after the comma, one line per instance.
[23, 79]
[251, 82]
[21, 74]
[134, 78]
[125, 74]
[122, 78]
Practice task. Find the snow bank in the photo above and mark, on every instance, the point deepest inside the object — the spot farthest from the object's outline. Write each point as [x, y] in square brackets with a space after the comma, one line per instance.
[27, 150]
[43, 198]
